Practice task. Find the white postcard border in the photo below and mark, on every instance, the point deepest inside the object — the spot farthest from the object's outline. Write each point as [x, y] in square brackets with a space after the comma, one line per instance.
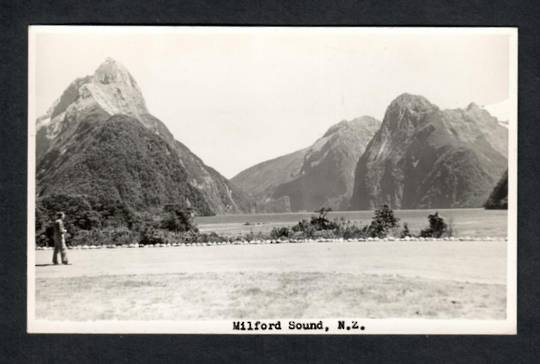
[372, 326]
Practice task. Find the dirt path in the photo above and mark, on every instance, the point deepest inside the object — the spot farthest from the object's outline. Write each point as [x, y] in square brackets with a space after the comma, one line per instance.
[474, 261]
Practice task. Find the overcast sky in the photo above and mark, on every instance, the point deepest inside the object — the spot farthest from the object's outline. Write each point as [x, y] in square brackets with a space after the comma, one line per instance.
[237, 97]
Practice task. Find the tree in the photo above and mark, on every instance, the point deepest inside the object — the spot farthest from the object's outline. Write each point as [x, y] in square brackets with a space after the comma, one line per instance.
[322, 222]
[117, 214]
[437, 227]
[79, 212]
[178, 218]
[382, 222]
[405, 232]
[498, 199]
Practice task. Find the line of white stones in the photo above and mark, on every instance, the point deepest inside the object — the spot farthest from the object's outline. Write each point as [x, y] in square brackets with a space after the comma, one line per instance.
[277, 241]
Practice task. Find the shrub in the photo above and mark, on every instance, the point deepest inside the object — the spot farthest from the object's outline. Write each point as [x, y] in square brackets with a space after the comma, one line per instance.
[305, 228]
[121, 236]
[87, 237]
[301, 226]
[116, 214]
[186, 237]
[45, 238]
[280, 232]
[405, 232]
[437, 227]
[298, 235]
[321, 222]
[115, 236]
[151, 235]
[316, 223]
[178, 218]
[383, 221]
[348, 230]
[209, 238]
[255, 236]
[82, 213]
[325, 234]
[79, 212]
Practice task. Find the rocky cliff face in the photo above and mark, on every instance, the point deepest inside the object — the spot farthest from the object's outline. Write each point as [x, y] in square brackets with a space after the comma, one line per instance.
[424, 157]
[262, 179]
[111, 90]
[498, 198]
[321, 175]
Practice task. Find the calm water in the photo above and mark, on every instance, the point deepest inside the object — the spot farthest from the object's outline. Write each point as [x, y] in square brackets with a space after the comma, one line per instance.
[465, 222]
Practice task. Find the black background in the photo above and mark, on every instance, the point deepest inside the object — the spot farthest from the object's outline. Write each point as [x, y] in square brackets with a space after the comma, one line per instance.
[18, 346]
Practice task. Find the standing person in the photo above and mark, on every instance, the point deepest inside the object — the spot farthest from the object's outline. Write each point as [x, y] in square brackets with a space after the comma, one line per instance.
[59, 239]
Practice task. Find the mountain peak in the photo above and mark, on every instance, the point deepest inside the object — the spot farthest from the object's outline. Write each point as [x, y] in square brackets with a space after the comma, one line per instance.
[139, 149]
[356, 123]
[473, 106]
[110, 63]
[110, 90]
[420, 153]
[406, 112]
[365, 121]
[412, 102]
[111, 71]
[336, 127]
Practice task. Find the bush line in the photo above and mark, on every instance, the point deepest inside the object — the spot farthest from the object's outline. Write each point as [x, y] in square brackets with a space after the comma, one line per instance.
[176, 228]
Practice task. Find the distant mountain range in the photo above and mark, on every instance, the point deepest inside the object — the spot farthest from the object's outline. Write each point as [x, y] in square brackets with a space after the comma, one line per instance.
[425, 157]
[418, 157]
[321, 175]
[98, 138]
[502, 111]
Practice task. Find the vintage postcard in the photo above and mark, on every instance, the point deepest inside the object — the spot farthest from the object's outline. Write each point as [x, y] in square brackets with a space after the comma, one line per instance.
[272, 180]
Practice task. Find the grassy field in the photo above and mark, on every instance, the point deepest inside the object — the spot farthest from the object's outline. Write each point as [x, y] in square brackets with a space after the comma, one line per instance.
[369, 280]
[264, 295]
[465, 222]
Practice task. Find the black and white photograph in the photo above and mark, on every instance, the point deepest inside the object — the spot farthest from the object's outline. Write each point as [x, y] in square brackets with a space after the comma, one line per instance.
[272, 180]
